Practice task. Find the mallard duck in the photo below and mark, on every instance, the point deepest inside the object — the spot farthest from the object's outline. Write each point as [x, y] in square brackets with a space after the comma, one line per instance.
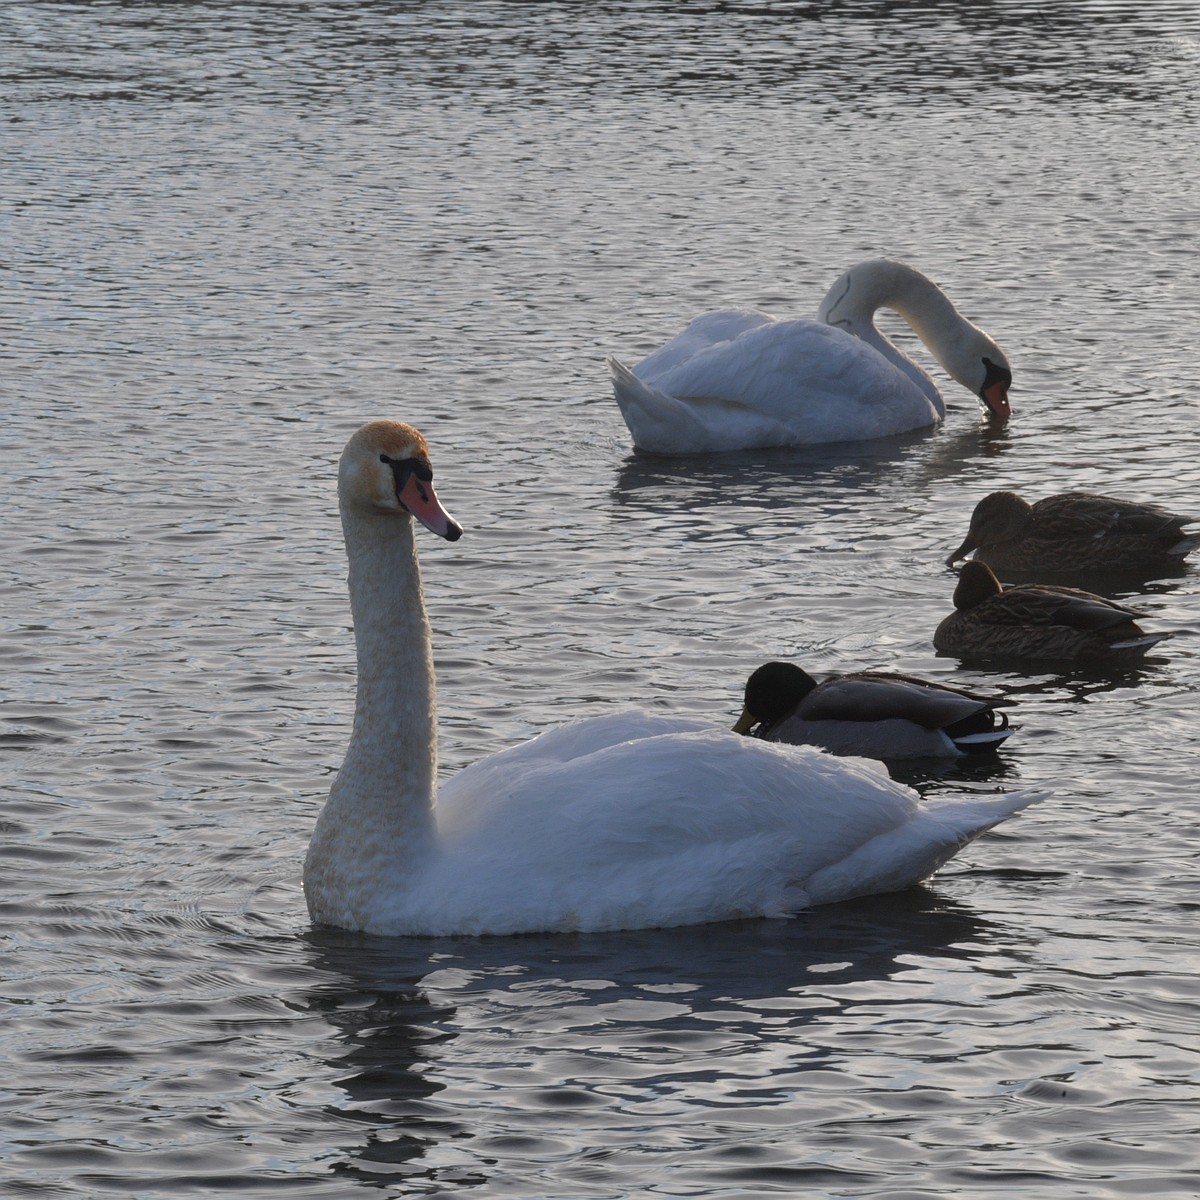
[622, 821]
[737, 380]
[1075, 531]
[871, 713]
[1036, 620]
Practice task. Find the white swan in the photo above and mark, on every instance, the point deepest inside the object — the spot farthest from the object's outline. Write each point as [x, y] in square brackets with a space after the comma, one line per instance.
[741, 380]
[615, 822]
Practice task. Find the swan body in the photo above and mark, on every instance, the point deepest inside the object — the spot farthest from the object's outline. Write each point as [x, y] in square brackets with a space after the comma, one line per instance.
[623, 821]
[737, 379]
[1038, 621]
[872, 713]
[1075, 531]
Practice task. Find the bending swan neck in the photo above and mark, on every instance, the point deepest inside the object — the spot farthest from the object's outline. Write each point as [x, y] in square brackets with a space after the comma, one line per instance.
[861, 291]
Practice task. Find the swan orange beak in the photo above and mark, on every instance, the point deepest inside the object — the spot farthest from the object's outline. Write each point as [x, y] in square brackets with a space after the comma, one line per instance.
[997, 379]
[418, 496]
[995, 396]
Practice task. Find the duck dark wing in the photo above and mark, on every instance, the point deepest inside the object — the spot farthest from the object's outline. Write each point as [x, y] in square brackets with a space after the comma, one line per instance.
[882, 697]
[1043, 604]
[1082, 514]
[1082, 610]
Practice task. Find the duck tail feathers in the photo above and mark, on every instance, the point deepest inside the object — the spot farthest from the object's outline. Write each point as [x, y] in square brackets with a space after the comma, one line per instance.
[968, 742]
[1139, 643]
[1185, 545]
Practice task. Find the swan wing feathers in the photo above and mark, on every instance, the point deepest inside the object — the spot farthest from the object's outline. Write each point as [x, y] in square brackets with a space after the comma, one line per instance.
[773, 383]
[710, 329]
[637, 821]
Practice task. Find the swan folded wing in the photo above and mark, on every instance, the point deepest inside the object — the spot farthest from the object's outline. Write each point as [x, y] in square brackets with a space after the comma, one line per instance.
[705, 331]
[879, 697]
[821, 383]
[666, 829]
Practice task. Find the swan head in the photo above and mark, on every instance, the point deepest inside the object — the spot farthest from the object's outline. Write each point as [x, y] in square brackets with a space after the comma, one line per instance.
[998, 517]
[385, 470]
[772, 692]
[980, 366]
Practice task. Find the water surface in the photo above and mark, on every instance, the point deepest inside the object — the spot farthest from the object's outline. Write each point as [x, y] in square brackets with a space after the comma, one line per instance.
[233, 232]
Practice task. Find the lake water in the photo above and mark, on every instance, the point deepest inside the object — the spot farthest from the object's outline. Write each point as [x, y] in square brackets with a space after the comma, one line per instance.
[231, 232]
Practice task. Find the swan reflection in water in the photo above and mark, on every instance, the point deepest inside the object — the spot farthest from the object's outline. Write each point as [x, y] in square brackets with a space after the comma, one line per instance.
[428, 1030]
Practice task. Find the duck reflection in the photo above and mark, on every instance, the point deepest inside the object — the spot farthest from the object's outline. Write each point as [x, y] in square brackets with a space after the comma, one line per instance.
[934, 775]
[1081, 683]
[412, 1013]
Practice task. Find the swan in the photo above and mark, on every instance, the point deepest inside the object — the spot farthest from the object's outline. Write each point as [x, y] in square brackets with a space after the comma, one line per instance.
[1038, 620]
[622, 821]
[1075, 531]
[741, 380]
[874, 713]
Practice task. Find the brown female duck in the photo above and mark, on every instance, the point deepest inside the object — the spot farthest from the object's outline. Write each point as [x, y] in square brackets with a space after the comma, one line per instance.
[1034, 620]
[869, 713]
[1075, 531]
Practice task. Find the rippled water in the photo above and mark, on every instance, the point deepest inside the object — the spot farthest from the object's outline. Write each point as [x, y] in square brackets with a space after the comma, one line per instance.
[232, 232]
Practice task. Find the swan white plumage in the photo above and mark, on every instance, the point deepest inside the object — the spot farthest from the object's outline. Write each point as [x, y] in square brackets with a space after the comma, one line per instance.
[615, 822]
[741, 380]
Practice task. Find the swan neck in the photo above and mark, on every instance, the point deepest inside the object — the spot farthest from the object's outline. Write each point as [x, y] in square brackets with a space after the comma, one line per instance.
[854, 299]
[391, 763]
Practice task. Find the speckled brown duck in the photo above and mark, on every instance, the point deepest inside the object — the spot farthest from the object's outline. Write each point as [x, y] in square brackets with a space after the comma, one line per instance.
[1035, 620]
[875, 714]
[1075, 531]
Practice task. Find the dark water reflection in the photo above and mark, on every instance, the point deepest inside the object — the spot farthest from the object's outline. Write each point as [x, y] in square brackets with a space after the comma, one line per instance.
[641, 1012]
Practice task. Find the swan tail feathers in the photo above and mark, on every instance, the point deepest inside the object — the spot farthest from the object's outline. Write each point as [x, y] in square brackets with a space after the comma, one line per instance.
[912, 852]
[655, 419]
[628, 388]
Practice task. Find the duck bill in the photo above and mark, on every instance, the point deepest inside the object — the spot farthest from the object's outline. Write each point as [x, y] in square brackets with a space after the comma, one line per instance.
[962, 551]
[995, 399]
[745, 722]
[418, 496]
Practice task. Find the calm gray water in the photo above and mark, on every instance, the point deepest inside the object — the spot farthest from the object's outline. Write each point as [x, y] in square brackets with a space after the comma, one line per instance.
[232, 232]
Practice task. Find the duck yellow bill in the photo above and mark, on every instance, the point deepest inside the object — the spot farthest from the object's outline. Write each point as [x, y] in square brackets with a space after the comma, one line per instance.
[745, 722]
[968, 545]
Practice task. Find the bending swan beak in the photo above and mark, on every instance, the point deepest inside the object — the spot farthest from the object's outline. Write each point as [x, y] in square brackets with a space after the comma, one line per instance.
[994, 393]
